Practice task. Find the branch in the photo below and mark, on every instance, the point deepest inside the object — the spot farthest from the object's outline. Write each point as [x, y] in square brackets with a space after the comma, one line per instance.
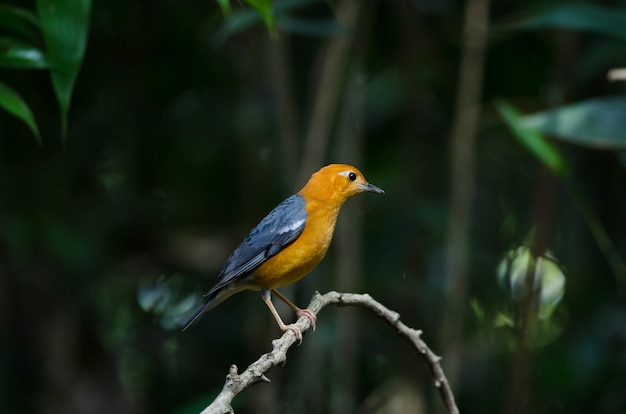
[255, 373]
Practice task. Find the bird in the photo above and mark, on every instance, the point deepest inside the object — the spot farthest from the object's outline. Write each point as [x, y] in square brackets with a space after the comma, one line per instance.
[288, 243]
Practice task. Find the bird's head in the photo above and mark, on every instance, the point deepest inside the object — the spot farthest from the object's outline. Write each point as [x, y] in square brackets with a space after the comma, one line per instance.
[337, 182]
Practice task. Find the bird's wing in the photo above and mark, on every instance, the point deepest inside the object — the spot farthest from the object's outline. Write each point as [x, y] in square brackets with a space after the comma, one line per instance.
[276, 231]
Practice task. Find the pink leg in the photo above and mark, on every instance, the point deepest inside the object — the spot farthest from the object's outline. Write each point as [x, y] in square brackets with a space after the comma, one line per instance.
[299, 312]
[267, 298]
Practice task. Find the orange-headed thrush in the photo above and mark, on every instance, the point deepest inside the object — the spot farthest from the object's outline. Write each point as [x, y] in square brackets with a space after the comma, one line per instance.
[288, 243]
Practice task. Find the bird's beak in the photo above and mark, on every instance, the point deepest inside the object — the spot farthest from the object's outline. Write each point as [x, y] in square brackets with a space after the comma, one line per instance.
[371, 188]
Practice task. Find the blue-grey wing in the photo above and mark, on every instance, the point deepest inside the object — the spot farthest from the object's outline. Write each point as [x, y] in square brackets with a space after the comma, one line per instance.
[276, 231]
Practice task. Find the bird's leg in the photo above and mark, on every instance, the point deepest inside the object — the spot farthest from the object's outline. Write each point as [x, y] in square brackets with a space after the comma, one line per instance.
[267, 298]
[299, 312]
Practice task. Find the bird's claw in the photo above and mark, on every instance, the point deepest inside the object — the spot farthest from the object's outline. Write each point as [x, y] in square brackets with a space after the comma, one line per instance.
[295, 328]
[308, 314]
[296, 331]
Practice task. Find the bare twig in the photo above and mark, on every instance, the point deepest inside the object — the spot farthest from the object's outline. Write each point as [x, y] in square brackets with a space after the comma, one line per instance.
[255, 373]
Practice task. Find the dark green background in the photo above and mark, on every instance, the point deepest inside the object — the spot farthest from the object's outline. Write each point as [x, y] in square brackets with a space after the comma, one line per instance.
[174, 152]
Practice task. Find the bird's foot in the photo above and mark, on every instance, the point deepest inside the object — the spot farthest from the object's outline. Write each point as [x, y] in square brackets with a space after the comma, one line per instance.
[295, 329]
[308, 314]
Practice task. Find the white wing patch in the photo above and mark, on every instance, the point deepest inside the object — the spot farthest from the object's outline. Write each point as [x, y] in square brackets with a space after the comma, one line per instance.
[291, 226]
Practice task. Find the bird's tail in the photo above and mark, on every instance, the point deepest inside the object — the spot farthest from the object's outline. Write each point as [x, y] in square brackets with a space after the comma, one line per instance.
[208, 303]
[211, 300]
[196, 315]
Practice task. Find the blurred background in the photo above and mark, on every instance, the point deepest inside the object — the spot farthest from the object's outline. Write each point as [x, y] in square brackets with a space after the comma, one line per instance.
[140, 141]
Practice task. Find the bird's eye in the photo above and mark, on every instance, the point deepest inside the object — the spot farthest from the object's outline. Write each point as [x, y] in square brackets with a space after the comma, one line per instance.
[352, 176]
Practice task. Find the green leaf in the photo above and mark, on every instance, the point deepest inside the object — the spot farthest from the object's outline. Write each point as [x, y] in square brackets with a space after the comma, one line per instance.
[18, 54]
[584, 17]
[243, 20]
[596, 123]
[225, 6]
[478, 309]
[64, 24]
[13, 103]
[537, 144]
[503, 320]
[238, 22]
[264, 8]
[532, 139]
[21, 21]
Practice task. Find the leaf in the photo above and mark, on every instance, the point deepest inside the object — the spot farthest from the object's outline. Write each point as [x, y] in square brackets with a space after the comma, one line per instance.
[537, 144]
[64, 24]
[583, 17]
[595, 123]
[264, 8]
[13, 103]
[236, 23]
[532, 139]
[225, 6]
[18, 54]
[21, 21]
[479, 312]
[503, 320]
[242, 20]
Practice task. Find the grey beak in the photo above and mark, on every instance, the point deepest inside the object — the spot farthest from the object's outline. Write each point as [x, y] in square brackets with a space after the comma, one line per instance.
[372, 188]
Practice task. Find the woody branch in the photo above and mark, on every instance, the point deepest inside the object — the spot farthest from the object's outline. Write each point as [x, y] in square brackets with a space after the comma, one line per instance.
[255, 373]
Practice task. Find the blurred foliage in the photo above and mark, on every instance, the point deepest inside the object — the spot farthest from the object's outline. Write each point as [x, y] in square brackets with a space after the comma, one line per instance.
[578, 16]
[595, 123]
[63, 27]
[15, 105]
[184, 125]
[533, 140]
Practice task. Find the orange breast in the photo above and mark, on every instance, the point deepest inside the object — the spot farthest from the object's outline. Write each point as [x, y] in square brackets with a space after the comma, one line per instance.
[300, 257]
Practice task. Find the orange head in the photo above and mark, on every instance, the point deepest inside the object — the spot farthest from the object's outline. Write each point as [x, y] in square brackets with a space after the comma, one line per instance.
[336, 183]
